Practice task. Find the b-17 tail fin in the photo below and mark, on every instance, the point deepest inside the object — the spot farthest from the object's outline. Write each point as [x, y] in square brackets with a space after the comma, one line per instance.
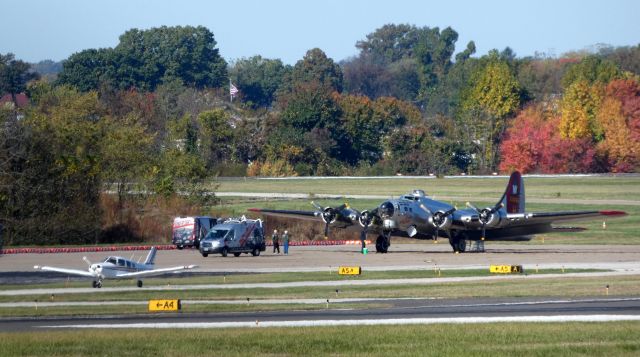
[513, 198]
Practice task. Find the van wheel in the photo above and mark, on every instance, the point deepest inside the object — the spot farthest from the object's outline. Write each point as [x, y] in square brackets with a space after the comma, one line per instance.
[255, 252]
[236, 254]
[205, 254]
[225, 251]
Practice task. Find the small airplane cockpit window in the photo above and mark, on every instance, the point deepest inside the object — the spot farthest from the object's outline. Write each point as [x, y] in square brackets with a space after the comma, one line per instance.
[121, 262]
[111, 260]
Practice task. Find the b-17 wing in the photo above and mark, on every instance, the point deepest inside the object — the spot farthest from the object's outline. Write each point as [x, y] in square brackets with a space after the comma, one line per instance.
[552, 217]
[308, 215]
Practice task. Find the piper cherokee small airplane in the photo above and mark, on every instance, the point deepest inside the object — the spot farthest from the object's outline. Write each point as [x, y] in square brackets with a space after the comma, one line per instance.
[417, 216]
[117, 268]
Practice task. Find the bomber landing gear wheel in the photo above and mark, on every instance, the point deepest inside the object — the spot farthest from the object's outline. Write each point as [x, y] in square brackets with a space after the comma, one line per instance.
[139, 283]
[236, 254]
[255, 252]
[225, 251]
[458, 244]
[382, 244]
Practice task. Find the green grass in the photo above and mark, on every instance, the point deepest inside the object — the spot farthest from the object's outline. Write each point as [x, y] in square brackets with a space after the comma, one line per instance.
[328, 275]
[576, 286]
[509, 339]
[582, 188]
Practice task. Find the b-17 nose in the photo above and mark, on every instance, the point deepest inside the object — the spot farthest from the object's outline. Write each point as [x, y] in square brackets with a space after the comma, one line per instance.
[386, 209]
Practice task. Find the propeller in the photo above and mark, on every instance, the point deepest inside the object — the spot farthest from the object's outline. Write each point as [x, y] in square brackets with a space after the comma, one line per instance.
[86, 260]
[485, 215]
[365, 218]
[328, 215]
[437, 218]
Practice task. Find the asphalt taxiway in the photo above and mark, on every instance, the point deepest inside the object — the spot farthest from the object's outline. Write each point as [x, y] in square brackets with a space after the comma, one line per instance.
[402, 311]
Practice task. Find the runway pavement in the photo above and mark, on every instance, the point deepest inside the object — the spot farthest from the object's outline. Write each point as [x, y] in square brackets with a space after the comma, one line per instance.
[421, 255]
[620, 259]
[404, 311]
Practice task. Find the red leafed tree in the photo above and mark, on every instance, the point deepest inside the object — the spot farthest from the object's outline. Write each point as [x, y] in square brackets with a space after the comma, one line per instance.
[560, 155]
[533, 144]
[522, 144]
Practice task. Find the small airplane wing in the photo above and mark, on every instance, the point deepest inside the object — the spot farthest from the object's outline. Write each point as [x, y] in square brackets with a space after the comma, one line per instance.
[306, 215]
[155, 271]
[65, 271]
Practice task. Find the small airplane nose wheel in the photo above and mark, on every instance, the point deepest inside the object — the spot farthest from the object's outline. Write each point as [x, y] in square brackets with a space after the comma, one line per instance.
[139, 283]
[94, 284]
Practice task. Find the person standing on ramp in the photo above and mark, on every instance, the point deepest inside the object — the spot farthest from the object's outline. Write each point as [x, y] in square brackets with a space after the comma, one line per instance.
[275, 239]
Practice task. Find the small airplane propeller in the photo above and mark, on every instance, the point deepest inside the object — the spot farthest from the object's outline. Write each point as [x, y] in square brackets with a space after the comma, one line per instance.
[485, 214]
[86, 260]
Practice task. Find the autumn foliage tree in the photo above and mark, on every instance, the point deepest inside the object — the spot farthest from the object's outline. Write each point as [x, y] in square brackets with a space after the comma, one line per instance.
[532, 143]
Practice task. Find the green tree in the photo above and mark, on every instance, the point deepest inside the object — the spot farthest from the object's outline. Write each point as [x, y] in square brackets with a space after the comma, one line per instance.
[87, 69]
[315, 66]
[390, 43]
[144, 59]
[215, 137]
[51, 181]
[14, 75]
[433, 52]
[591, 69]
[493, 96]
[128, 157]
[258, 79]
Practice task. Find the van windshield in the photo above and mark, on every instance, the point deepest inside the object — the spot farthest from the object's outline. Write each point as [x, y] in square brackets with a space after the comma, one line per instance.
[182, 233]
[217, 233]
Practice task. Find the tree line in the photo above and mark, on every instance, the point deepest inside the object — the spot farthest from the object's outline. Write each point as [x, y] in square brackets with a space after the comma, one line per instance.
[153, 116]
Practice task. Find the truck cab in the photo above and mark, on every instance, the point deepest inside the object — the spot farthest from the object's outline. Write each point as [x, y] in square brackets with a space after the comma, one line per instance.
[189, 231]
[236, 236]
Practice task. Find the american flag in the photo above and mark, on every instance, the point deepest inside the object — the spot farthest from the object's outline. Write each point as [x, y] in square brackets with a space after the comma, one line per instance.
[233, 90]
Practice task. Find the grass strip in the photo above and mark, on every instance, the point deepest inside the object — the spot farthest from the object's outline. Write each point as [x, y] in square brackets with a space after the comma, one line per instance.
[331, 274]
[504, 339]
[558, 287]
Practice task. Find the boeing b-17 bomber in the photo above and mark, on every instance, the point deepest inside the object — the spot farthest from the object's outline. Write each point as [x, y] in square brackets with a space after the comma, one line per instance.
[415, 215]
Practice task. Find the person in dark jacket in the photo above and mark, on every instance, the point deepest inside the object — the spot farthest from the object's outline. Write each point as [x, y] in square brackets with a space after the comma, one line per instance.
[275, 239]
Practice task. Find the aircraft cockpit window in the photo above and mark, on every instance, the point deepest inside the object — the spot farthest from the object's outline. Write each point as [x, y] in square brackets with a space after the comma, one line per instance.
[386, 209]
[419, 193]
[121, 262]
[111, 260]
